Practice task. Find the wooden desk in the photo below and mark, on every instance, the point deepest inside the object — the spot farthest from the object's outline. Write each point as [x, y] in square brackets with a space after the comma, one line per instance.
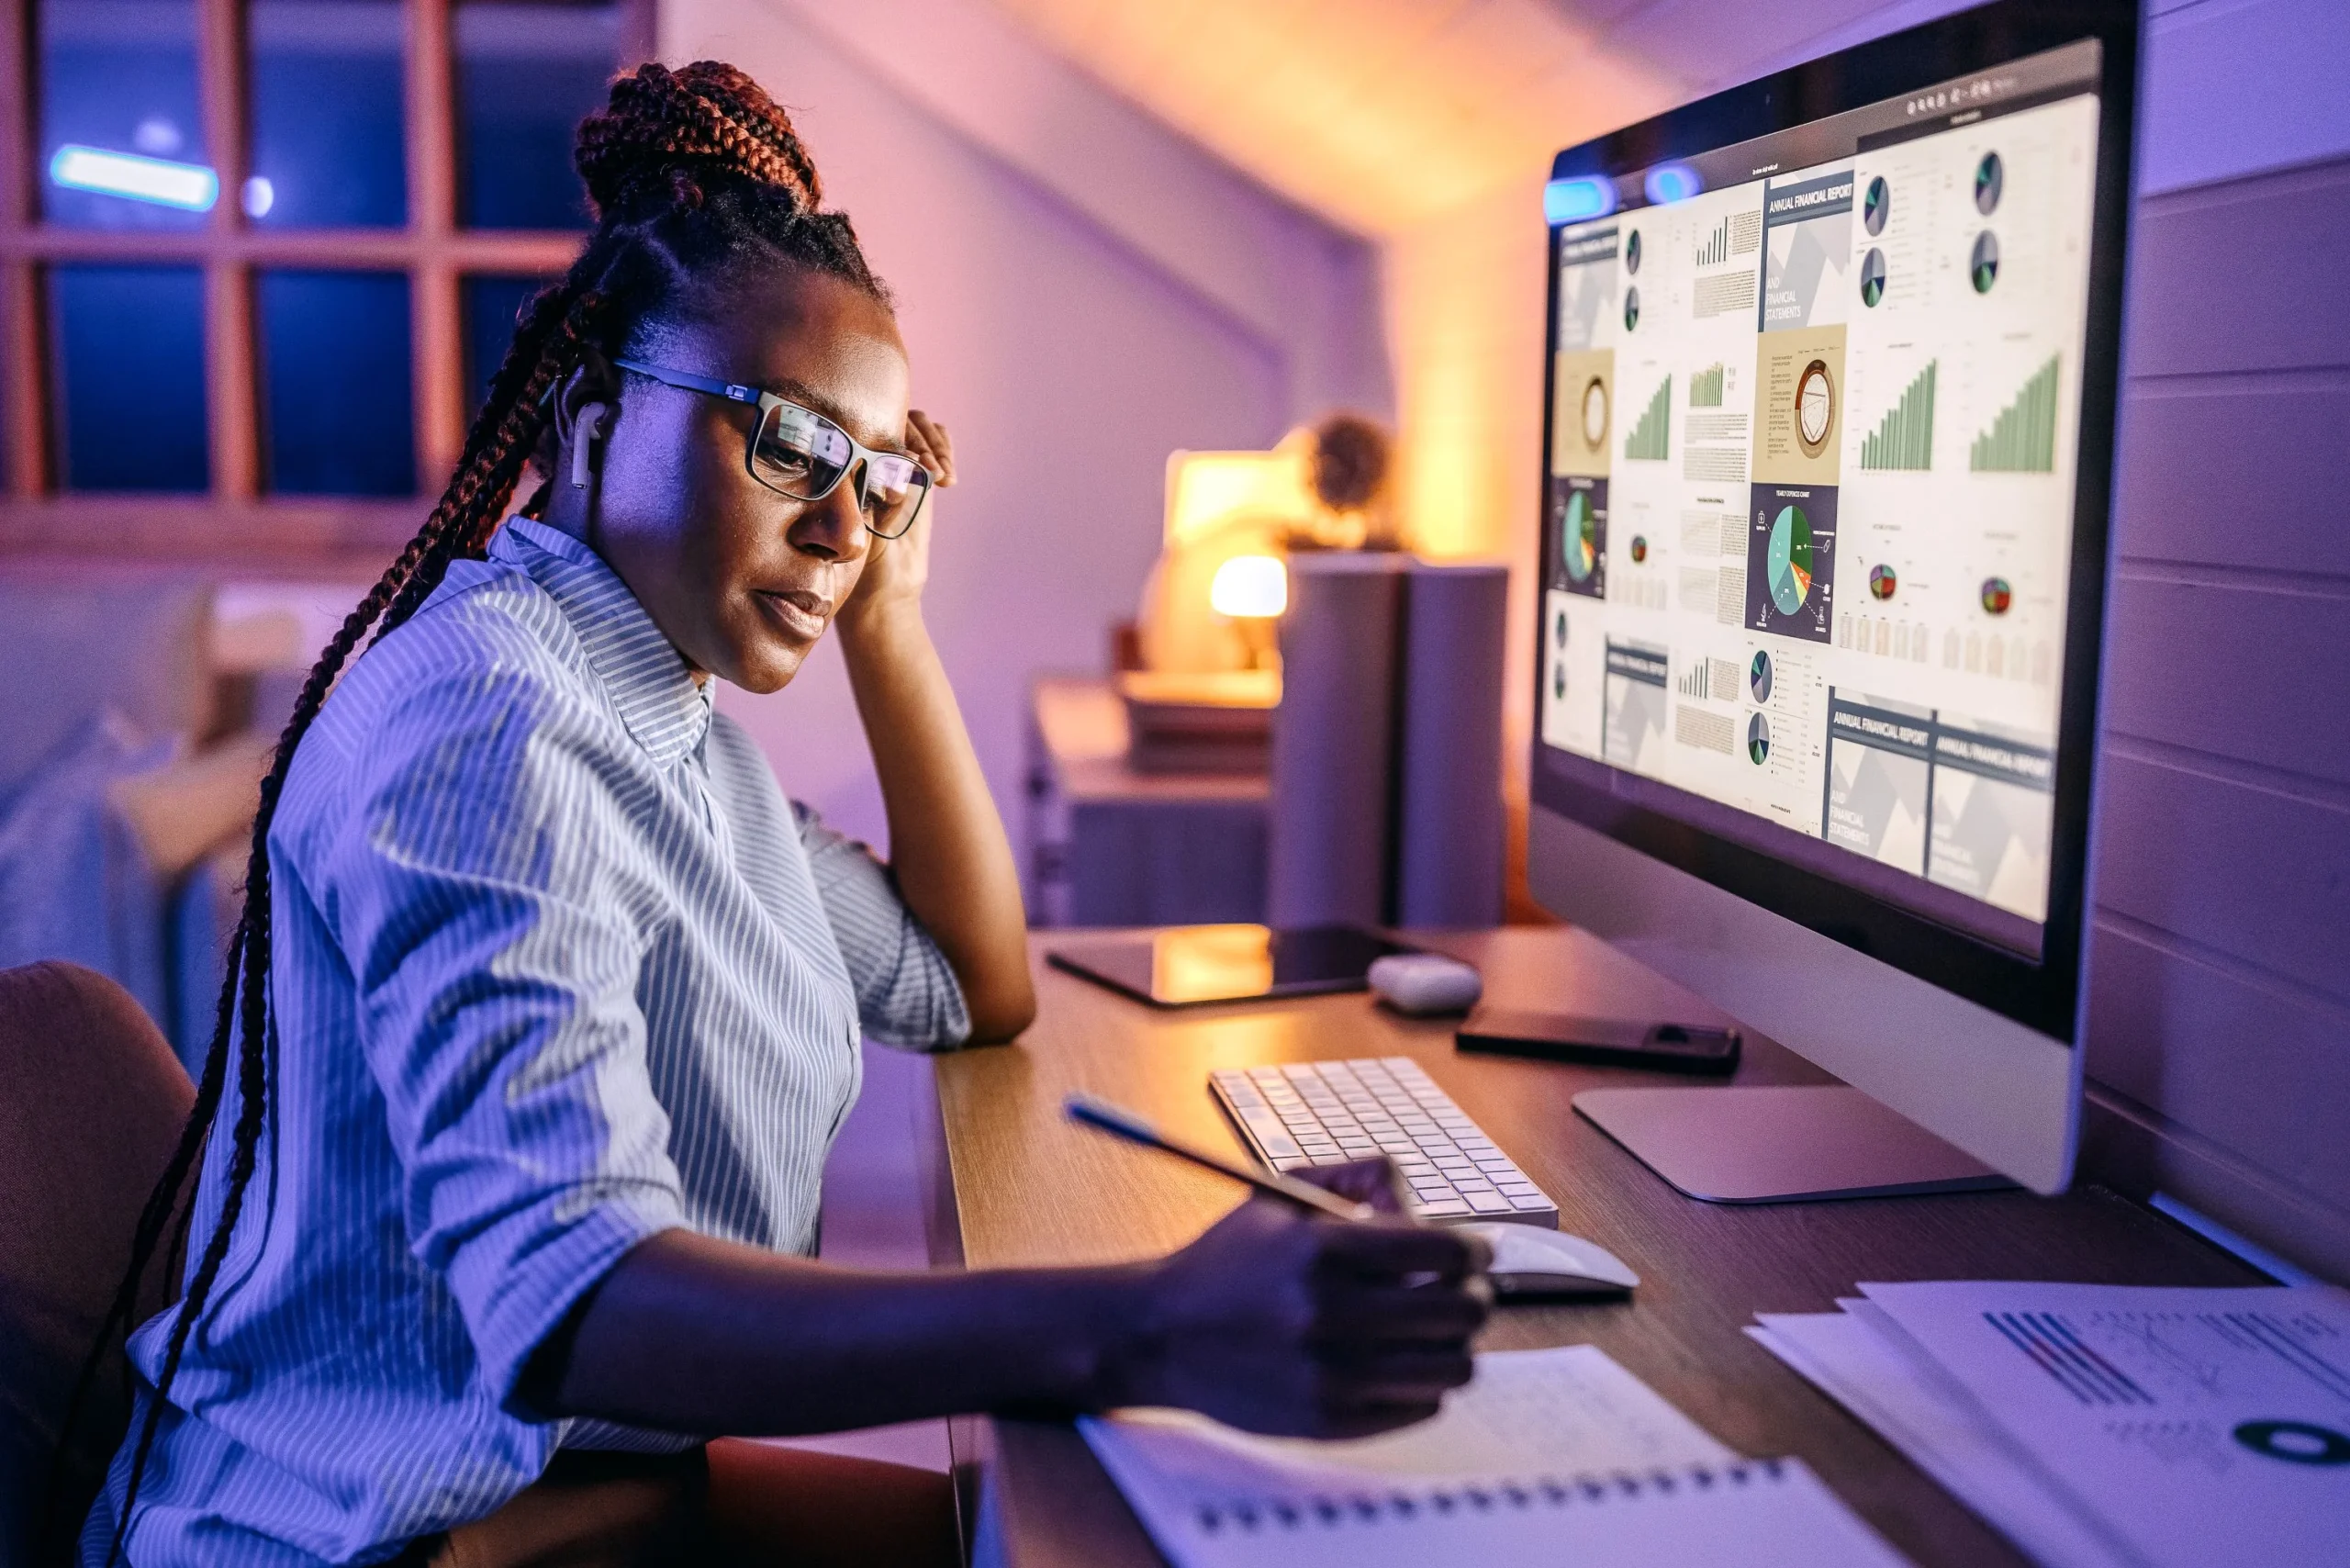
[1015, 1184]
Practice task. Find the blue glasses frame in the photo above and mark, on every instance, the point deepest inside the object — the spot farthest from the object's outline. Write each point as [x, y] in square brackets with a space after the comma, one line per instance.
[818, 442]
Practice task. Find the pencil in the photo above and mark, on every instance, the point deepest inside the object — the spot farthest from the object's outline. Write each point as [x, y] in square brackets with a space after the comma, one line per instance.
[1102, 1116]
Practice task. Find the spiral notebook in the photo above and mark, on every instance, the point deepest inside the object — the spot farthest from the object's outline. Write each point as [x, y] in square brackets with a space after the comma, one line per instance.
[1548, 1457]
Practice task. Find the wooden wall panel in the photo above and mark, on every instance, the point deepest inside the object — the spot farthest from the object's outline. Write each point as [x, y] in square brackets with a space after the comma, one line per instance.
[2179, 489]
[2219, 1032]
[2256, 874]
[2206, 1043]
[2238, 670]
[2234, 276]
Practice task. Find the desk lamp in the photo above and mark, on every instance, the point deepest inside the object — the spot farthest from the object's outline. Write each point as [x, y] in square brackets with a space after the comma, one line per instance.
[1252, 591]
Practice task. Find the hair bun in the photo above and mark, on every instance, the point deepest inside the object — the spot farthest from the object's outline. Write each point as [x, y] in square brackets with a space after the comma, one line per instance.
[666, 132]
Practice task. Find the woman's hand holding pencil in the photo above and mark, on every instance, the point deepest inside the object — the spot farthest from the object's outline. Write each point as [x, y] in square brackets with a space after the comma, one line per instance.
[1326, 1312]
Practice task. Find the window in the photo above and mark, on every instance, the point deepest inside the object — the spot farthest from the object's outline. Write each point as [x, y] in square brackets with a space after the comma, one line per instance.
[493, 303]
[259, 258]
[128, 377]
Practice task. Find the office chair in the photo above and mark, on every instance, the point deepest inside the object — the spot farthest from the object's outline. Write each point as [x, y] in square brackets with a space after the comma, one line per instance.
[91, 1104]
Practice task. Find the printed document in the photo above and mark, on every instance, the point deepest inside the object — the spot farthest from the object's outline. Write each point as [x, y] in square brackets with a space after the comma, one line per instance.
[2204, 1428]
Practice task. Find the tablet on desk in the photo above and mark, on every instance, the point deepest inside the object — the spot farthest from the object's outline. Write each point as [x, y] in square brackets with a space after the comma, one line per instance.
[1185, 965]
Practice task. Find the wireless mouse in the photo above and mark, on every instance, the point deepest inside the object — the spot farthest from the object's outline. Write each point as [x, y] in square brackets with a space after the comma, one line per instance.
[1530, 1264]
[1421, 983]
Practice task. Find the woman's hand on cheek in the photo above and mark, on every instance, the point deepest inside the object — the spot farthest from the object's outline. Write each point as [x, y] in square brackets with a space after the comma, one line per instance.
[896, 570]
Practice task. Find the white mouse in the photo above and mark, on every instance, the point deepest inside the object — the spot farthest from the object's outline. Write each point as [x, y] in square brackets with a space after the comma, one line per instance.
[1425, 982]
[1529, 1261]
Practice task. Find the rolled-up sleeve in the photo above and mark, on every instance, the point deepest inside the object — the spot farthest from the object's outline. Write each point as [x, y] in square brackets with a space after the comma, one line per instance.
[496, 968]
[907, 994]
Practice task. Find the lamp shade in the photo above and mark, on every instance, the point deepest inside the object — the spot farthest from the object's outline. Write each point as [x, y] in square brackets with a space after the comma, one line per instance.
[1249, 588]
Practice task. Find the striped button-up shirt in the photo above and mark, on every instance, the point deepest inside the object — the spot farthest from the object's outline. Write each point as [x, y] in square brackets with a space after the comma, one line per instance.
[557, 966]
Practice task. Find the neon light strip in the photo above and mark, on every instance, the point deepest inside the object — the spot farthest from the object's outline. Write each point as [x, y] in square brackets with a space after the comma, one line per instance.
[191, 187]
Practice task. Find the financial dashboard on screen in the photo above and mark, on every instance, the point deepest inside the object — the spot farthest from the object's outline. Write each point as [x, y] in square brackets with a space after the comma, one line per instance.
[1813, 409]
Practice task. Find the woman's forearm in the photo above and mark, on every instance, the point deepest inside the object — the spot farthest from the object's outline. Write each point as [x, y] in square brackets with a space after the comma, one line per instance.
[948, 847]
[689, 1334]
[1274, 1320]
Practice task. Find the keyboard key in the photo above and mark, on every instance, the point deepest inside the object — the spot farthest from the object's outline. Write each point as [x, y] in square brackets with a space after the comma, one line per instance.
[1271, 1135]
[1307, 1114]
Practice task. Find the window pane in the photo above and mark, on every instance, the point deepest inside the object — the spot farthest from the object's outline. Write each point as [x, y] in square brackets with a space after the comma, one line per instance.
[336, 390]
[121, 129]
[493, 301]
[528, 72]
[129, 378]
[328, 103]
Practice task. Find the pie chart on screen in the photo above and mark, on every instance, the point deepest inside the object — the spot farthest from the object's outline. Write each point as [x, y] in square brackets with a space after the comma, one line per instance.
[1579, 537]
[1990, 180]
[1788, 561]
[1983, 261]
[1873, 278]
[1595, 414]
[1815, 408]
[1758, 740]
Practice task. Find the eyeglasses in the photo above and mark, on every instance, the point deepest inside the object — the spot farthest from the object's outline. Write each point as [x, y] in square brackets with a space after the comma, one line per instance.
[799, 452]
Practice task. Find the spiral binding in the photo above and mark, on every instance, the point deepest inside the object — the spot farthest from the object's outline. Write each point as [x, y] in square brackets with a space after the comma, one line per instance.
[1328, 1510]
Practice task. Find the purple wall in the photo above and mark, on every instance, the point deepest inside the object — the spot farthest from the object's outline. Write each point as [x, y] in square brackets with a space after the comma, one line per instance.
[2219, 1020]
[1067, 358]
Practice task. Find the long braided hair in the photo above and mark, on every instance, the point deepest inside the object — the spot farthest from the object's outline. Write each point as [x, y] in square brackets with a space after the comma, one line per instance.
[693, 175]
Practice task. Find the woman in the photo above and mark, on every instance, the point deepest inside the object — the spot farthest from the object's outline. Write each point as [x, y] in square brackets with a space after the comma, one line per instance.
[546, 1005]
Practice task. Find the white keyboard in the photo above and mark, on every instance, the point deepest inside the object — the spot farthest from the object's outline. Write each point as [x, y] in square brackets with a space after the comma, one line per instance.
[1330, 1111]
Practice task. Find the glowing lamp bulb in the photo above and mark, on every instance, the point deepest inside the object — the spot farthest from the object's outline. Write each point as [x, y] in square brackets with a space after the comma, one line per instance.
[1249, 588]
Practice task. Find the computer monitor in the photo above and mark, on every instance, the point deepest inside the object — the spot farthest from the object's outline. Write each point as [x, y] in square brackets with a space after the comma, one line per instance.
[1828, 448]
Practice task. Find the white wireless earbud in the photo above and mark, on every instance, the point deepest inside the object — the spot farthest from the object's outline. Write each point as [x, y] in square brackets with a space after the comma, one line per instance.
[585, 435]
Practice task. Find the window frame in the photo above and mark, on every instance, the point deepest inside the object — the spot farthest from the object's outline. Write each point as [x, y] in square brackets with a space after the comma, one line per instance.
[236, 518]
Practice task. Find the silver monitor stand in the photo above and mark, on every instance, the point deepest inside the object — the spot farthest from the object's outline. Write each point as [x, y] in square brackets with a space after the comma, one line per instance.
[1779, 1143]
[2001, 1100]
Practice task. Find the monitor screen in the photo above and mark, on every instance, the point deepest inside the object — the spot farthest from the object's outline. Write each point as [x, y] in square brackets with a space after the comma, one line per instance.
[1814, 411]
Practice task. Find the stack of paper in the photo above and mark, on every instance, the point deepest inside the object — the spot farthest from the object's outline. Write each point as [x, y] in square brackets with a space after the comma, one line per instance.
[1555, 1456]
[2107, 1427]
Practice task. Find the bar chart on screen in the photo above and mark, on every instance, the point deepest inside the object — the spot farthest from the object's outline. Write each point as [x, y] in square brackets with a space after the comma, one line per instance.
[1904, 439]
[1648, 437]
[2022, 436]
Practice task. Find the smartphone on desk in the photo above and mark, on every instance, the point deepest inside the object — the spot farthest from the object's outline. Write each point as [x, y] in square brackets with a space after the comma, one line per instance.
[1612, 1042]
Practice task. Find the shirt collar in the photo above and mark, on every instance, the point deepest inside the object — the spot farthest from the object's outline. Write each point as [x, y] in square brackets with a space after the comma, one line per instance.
[664, 707]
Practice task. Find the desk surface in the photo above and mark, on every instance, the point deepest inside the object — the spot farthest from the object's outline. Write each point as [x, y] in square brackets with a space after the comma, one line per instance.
[1019, 1186]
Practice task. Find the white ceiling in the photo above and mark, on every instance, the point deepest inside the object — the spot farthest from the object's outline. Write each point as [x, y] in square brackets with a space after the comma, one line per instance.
[1379, 114]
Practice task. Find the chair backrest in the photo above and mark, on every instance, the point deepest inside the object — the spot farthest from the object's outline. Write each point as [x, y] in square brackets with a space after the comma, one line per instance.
[92, 1102]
